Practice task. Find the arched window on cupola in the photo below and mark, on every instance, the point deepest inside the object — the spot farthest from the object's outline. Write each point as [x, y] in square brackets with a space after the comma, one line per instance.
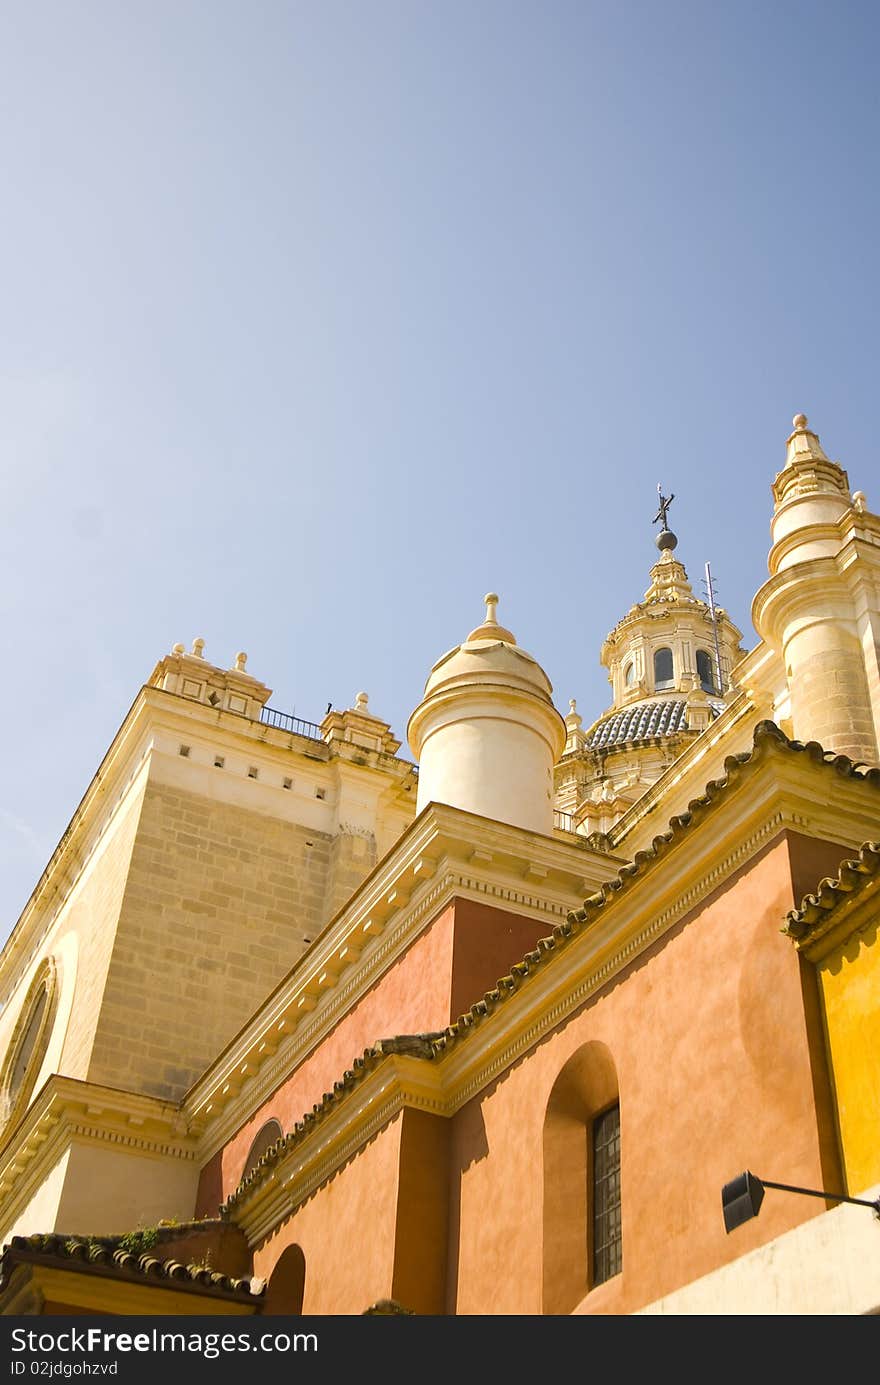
[663, 669]
[705, 671]
[629, 674]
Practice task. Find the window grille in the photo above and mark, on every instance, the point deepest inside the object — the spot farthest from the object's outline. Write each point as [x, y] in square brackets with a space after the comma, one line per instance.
[607, 1247]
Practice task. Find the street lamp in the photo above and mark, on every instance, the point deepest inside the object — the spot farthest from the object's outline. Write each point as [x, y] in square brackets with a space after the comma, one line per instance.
[741, 1198]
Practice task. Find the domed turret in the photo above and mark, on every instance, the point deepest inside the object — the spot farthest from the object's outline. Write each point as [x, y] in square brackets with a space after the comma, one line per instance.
[486, 733]
[668, 675]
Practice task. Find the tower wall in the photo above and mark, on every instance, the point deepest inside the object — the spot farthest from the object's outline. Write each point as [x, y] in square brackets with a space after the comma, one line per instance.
[822, 603]
[218, 904]
[830, 702]
[485, 758]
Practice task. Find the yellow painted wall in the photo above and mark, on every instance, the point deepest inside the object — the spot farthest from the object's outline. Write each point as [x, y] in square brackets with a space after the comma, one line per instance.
[850, 981]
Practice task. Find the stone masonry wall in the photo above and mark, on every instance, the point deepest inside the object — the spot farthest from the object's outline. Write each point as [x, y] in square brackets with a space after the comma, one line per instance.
[219, 904]
[830, 703]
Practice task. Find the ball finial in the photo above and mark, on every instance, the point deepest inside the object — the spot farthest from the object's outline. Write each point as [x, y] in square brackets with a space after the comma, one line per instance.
[666, 541]
[799, 422]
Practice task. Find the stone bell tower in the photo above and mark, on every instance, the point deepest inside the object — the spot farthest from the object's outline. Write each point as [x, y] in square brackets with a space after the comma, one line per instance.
[820, 610]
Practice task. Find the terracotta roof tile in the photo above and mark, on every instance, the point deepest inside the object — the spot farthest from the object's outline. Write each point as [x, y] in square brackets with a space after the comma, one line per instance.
[815, 915]
[104, 1254]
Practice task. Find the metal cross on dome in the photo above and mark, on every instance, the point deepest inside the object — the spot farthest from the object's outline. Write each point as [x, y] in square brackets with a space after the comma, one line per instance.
[665, 502]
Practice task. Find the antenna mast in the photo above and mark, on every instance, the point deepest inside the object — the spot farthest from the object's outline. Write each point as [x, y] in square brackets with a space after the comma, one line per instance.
[710, 597]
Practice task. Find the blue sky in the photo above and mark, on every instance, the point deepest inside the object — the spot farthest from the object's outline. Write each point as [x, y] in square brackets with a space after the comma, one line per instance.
[321, 320]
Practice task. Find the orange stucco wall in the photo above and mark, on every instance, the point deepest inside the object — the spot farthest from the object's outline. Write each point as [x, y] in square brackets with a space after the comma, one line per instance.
[457, 958]
[715, 1037]
[709, 1034]
[487, 943]
[412, 997]
[346, 1231]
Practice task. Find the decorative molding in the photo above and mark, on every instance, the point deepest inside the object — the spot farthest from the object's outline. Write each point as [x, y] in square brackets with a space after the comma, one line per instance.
[66, 1110]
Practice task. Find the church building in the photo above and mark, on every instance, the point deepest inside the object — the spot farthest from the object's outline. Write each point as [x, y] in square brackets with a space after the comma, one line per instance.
[532, 1016]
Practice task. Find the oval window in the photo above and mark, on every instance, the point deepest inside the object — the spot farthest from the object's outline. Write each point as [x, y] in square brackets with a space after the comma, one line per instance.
[30, 1039]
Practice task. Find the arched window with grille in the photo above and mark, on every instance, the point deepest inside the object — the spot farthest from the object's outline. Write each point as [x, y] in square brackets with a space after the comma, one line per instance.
[583, 1244]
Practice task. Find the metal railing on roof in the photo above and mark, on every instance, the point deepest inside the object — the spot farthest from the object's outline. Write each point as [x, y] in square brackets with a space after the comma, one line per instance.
[286, 722]
[563, 822]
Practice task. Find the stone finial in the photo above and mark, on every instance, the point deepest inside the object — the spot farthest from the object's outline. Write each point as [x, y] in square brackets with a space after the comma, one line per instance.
[198, 647]
[803, 444]
[240, 662]
[177, 649]
[666, 541]
[860, 502]
[574, 734]
[490, 629]
[361, 702]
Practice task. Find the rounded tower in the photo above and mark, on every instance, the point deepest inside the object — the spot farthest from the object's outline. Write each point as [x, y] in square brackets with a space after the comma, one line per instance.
[486, 734]
[820, 609]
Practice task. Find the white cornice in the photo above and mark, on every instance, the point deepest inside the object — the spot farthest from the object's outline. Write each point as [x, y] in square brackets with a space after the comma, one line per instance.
[66, 1110]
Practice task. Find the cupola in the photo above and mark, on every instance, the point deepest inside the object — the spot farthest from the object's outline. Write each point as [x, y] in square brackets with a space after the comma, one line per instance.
[486, 733]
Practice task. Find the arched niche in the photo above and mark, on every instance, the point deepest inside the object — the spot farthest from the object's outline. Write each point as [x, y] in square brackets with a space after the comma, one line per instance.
[287, 1283]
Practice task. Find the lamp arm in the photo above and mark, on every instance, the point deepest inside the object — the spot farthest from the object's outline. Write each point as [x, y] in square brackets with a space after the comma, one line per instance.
[829, 1197]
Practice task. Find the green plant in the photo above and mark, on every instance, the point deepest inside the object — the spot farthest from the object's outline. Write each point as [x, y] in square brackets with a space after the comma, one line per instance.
[140, 1241]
